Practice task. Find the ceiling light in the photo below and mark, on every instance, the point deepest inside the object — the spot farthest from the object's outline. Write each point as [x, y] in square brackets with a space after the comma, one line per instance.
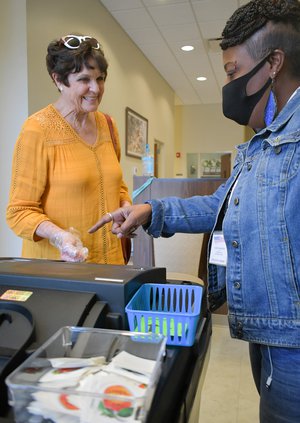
[187, 48]
[201, 78]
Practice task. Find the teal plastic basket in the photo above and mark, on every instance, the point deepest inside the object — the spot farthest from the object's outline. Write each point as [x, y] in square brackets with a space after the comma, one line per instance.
[172, 310]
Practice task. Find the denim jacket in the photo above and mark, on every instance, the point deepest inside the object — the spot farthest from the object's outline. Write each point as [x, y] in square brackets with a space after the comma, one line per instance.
[258, 209]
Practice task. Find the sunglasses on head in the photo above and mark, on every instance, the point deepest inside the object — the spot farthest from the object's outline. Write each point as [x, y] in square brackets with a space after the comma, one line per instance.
[74, 41]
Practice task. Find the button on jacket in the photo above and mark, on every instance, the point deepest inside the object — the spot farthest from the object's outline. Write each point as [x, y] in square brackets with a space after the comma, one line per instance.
[258, 209]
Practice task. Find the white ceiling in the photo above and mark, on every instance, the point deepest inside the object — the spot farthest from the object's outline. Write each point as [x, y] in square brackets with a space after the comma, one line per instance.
[160, 27]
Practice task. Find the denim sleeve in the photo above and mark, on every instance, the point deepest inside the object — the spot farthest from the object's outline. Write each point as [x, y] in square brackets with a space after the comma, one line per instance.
[187, 215]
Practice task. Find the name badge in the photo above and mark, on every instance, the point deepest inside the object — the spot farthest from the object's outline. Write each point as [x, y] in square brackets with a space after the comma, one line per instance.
[218, 251]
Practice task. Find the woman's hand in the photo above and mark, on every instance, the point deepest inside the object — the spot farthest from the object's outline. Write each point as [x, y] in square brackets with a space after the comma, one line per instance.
[125, 220]
[69, 245]
[67, 242]
[125, 204]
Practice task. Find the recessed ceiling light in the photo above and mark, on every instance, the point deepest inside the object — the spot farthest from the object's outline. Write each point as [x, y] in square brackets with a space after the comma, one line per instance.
[187, 48]
[201, 78]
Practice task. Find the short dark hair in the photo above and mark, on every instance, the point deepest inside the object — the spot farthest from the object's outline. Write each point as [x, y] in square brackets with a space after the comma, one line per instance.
[63, 61]
[277, 25]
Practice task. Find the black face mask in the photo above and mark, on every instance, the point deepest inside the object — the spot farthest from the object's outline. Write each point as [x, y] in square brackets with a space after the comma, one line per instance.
[237, 105]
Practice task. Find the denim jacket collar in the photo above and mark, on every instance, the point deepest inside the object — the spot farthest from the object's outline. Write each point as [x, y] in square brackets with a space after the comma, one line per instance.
[281, 120]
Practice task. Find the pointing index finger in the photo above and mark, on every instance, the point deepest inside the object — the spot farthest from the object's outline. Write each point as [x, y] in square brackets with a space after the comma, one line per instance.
[108, 217]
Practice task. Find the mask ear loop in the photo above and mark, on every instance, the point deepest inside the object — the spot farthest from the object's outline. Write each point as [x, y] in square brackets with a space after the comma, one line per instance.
[271, 107]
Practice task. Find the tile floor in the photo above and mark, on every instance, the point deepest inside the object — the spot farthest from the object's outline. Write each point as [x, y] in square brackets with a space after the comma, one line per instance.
[228, 394]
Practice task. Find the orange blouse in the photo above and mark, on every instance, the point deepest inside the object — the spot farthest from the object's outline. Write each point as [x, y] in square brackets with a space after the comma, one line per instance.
[56, 176]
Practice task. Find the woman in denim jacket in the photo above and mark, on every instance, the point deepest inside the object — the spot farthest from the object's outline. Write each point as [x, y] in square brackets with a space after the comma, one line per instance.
[257, 211]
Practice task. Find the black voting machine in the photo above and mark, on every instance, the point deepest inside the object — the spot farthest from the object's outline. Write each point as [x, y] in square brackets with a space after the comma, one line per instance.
[37, 297]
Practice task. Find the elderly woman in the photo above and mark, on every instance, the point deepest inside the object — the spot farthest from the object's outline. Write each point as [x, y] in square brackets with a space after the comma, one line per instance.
[66, 171]
[256, 213]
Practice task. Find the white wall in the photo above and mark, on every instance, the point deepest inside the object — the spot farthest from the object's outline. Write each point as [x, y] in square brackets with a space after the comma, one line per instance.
[13, 104]
[204, 129]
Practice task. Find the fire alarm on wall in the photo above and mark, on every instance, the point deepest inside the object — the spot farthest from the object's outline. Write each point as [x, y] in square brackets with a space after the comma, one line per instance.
[178, 154]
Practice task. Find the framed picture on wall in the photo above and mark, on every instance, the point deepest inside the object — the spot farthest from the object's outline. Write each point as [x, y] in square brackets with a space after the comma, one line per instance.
[136, 133]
